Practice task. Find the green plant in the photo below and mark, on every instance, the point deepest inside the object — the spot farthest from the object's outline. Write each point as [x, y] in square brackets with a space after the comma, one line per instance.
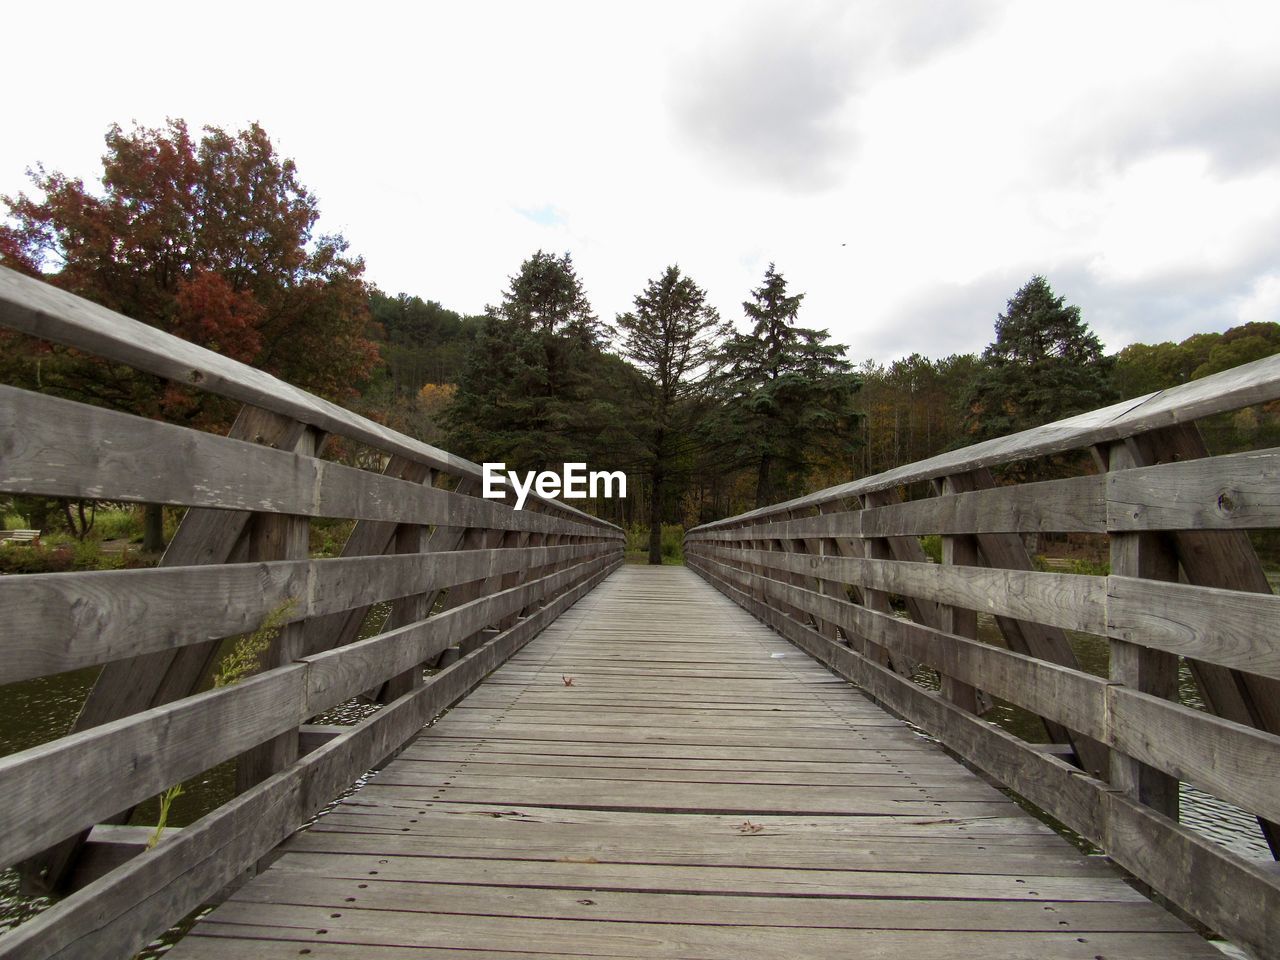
[166, 802]
[245, 656]
[932, 546]
[672, 543]
[118, 524]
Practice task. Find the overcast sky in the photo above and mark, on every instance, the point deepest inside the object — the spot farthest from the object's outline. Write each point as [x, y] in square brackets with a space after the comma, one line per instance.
[907, 165]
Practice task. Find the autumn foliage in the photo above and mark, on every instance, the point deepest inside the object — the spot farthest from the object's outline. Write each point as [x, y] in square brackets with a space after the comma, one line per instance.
[210, 239]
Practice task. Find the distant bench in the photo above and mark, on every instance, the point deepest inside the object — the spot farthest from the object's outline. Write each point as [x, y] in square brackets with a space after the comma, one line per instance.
[20, 536]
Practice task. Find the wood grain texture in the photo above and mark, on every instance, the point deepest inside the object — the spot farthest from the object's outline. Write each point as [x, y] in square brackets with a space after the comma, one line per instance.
[657, 775]
[1239, 901]
[40, 310]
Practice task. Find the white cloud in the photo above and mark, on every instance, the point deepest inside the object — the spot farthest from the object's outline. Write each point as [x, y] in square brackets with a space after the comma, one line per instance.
[907, 165]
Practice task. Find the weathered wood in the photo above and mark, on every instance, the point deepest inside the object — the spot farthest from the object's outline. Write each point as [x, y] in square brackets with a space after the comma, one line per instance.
[1059, 599]
[1008, 552]
[335, 675]
[51, 314]
[1140, 838]
[68, 621]
[144, 678]
[1068, 696]
[1256, 382]
[94, 453]
[1149, 556]
[121, 913]
[501, 834]
[277, 537]
[45, 786]
[1231, 492]
[958, 550]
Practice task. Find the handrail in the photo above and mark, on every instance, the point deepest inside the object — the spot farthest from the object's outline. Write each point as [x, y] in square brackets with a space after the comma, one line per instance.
[834, 570]
[468, 581]
[1256, 382]
[40, 310]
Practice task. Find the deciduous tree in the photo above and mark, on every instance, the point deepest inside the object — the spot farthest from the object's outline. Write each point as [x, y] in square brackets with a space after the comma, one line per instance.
[211, 240]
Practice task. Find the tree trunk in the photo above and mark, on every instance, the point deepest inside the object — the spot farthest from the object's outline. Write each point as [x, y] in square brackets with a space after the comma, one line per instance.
[153, 528]
[655, 519]
[764, 488]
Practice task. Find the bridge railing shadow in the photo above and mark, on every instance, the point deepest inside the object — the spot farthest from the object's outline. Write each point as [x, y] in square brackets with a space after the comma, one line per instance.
[844, 574]
[451, 582]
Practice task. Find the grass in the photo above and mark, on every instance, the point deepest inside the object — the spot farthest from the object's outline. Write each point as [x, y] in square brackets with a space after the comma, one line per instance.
[672, 544]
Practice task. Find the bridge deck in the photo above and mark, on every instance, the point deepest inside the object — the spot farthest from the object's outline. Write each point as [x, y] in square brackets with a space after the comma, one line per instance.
[659, 775]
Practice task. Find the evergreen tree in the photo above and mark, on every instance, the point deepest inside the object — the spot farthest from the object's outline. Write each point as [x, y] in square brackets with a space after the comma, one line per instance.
[1045, 364]
[535, 389]
[788, 393]
[672, 335]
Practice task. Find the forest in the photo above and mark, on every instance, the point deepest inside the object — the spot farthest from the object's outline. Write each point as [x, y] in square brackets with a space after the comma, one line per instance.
[213, 237]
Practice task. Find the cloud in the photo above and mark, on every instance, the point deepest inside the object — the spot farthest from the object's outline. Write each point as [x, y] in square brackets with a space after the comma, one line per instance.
[1228, 114]
[774, 98]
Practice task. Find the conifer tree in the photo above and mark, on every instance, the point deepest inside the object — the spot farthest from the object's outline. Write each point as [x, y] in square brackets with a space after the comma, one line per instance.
[788, 393]
[672, 335]
[1045, 364]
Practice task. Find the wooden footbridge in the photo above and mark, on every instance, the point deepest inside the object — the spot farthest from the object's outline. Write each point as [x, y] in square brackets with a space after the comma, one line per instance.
[738, 759]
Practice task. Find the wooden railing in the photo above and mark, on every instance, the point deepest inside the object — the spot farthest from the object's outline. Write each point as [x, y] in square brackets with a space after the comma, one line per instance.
[468, 581]
[831, 570]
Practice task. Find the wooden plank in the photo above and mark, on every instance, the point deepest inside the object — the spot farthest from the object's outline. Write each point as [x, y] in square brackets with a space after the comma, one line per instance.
[1149, 556]
[1257, 382]
[283, 886]
[1076, 504]
[1070, 697]
[46, 786]
[1230, 628]
[338, 674]
[1066, 600]
[48, 313]
[67, 621]
[278, 537]
[121, 913]
[1235, 491]
[1009, 552]
[149, 678]
[100, 454]
[1239, 899]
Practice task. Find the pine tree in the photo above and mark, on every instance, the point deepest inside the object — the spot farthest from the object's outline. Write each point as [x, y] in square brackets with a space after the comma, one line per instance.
[1045, 364]
[534, 390]
[672, 335]
[788, 392]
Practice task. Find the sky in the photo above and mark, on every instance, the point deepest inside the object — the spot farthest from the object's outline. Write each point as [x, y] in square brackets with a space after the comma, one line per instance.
[906, 165]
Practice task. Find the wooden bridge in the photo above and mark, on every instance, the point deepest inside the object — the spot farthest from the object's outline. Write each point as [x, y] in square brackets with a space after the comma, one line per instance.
[743, 758]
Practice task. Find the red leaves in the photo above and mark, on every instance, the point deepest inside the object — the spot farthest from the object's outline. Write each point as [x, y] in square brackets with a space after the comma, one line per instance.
[209, 312]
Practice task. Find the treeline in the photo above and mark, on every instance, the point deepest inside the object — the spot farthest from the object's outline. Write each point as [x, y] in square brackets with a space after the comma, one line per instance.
[213, 237]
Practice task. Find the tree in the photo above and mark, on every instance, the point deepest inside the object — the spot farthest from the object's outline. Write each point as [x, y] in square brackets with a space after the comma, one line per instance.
[1045, 364]
[672, 336]
[212, 241]
[787, 392]
[536, 389]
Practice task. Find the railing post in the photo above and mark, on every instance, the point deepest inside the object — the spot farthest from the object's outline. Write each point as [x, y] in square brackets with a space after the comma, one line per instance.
[961, 550]
[410, 538]
[279, 537]
[1151, 556]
